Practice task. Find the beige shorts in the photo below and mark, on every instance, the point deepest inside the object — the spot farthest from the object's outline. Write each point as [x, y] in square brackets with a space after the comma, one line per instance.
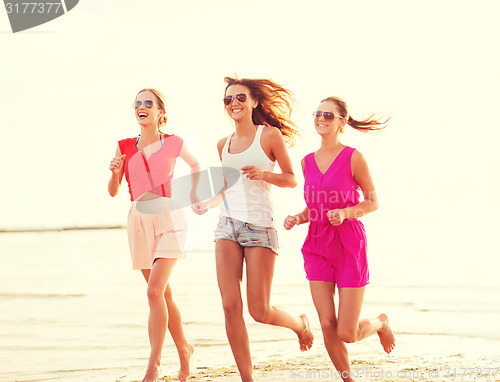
[156, 229]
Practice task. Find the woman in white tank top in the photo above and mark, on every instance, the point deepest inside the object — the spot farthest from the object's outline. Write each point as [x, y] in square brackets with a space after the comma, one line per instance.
[260, 110]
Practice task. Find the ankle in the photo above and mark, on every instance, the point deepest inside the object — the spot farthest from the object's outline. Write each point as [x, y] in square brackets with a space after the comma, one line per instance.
[154, 364]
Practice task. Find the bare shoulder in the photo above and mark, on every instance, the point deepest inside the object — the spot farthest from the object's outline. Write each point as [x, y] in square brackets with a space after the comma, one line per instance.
[357, 157]
[220, 146]
[359, 166]
[272, 132]
[221, 142]
[272, 137]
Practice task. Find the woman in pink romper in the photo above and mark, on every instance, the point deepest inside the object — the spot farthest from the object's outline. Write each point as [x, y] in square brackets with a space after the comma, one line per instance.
[335, 247]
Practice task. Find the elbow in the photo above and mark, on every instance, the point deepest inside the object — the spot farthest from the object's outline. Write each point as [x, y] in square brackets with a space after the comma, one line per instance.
[292, 182]
[195, 167]
[375, 205]
[112, 192]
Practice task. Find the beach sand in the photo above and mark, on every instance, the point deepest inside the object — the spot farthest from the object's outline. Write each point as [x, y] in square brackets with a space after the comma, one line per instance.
[314, 369]
[317, 367]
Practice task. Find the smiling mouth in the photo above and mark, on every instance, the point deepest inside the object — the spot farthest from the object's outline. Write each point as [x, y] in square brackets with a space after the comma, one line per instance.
[142, 115]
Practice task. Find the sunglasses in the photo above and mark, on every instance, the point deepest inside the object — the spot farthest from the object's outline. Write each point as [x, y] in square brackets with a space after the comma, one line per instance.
[148, 104]
[328, 116]
[242, 97]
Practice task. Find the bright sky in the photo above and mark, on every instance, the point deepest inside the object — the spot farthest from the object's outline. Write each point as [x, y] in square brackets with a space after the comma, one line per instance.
[66, 88]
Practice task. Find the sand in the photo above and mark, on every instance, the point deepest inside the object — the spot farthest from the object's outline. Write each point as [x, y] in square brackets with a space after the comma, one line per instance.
[318, 368]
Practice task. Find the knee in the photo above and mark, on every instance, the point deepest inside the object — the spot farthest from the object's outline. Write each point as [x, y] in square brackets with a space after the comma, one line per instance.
[259, 312]
[328, 325]
[346, 335]
[155, 294]
[232, 308]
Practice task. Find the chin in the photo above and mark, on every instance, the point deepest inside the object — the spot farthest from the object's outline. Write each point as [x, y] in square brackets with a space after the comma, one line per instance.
[236, 117]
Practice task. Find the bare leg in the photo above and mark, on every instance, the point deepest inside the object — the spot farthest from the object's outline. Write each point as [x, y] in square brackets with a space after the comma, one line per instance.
[351, 329]
[184, 348]
[323, 293]
[158, 316]
[229, 265]
[260, 271]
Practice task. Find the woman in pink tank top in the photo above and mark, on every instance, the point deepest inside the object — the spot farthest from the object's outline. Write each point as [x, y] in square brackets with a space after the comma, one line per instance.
[156, 224]
[335, 247]
[246, 233]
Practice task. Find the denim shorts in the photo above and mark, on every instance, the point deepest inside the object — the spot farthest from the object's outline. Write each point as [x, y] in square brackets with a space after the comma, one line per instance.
[246, 234]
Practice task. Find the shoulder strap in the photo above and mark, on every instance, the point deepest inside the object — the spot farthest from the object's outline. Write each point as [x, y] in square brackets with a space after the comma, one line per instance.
[258, 134]
[226, 144]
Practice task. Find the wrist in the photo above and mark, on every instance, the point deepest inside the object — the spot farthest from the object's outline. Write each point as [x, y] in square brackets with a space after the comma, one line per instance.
[265, 176]
[344, 212]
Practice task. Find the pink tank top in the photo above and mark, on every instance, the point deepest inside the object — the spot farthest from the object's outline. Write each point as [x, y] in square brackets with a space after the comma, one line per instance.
[334, 189]
[155, 173]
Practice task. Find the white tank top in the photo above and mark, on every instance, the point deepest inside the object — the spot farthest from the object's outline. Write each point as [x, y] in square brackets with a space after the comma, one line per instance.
[248, 200]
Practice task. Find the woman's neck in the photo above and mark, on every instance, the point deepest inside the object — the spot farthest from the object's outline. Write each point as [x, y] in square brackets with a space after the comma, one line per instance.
[330, 143]
[245, 127]
[149, 134]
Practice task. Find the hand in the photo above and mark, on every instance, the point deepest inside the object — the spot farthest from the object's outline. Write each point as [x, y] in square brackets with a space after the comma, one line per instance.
[193, 197]
[253, 173]
[199, 208]
[116, 164]
[291, 221]
[336, 217]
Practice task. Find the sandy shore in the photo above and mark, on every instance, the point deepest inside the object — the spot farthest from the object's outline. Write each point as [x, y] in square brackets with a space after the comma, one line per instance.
[433, 358]
[319, 368]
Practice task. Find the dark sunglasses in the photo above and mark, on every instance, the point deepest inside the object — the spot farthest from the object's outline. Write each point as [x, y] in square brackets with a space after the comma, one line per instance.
[328, 116]
[242, 97]
[148, 104]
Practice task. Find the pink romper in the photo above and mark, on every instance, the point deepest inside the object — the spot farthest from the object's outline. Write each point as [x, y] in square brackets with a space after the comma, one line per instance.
[333, 253]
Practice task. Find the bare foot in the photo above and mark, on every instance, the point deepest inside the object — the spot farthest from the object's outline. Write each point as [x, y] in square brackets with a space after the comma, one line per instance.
[152, 374]
[305, 337]
[386, 335]
[184, 358]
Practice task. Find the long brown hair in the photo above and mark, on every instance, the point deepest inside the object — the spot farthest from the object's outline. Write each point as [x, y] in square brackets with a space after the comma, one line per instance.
[275, 105]
[365, 125]
[161, 104]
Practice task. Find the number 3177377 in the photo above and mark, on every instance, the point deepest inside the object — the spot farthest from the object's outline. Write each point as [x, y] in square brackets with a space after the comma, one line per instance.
[33, 7]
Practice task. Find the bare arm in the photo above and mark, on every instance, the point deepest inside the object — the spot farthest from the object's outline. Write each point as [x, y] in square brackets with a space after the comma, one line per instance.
[300, 218]
[274, 140]
[116, 167]
[190, 159]
[202, 207]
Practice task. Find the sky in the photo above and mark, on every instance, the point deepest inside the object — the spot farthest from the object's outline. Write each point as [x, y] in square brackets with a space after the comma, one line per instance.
[66, 89]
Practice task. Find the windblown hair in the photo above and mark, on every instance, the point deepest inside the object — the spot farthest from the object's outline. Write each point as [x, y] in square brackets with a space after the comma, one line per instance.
[161, 104]
[275, 105]
[365, 125]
